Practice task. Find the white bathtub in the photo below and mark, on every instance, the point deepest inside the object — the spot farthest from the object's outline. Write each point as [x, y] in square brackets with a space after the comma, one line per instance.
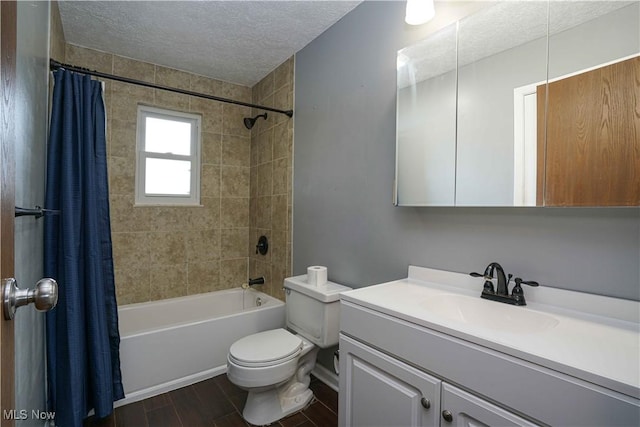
[172, 343]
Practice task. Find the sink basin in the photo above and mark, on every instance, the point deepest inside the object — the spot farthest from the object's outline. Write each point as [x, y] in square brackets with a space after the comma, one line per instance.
[489, 314]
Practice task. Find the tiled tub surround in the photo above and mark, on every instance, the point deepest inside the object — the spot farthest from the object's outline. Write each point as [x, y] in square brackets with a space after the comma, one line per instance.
[271, 179]
[163, 251]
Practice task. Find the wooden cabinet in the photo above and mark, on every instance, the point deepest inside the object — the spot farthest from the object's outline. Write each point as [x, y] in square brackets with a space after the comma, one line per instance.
[592, 153]
[379, 390]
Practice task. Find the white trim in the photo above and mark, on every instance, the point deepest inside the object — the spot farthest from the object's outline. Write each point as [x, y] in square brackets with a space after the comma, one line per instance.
[195, 120]
[146, 393]
[524, 156]
[320, 372]
[326, 376]
[150, 205]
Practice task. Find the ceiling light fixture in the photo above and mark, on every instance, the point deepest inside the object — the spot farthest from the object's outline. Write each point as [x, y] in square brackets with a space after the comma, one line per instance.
[419, 11]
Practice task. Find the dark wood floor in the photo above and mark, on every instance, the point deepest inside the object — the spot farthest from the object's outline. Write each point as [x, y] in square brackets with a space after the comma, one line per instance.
[214, 402]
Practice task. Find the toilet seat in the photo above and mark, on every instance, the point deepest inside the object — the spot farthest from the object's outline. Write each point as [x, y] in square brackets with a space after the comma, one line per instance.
[266, 348]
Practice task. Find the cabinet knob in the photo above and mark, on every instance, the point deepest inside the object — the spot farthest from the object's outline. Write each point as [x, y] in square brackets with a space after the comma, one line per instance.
[447, 415]
[426, 403]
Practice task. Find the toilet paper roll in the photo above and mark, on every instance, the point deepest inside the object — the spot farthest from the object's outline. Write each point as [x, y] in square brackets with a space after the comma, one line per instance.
[317, 275]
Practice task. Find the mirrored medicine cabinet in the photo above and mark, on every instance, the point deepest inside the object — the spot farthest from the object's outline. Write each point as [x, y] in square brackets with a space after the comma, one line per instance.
[524, 103]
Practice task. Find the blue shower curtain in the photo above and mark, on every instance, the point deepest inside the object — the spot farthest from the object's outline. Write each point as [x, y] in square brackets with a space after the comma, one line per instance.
[83, 341]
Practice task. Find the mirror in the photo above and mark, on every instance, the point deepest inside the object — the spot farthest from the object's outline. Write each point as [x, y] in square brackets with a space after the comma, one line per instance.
[487, 146]
[426, 121]
[500, 49]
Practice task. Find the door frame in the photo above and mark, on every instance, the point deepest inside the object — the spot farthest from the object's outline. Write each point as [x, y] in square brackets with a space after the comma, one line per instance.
[8, 14]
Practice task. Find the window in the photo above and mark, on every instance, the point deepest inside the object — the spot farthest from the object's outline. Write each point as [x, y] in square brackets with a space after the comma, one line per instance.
[168, 157]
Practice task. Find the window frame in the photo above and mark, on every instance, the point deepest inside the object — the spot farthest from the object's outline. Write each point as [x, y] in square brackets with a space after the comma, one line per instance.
[168, 199]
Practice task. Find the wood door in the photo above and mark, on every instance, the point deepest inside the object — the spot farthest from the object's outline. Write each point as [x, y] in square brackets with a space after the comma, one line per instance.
[592, 155]
[7, 196]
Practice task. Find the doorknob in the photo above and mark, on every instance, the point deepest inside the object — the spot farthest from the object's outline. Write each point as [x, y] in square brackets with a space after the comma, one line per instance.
[44, 296]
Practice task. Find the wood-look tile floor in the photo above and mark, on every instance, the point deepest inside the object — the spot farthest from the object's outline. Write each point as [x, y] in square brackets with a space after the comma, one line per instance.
[215, 403]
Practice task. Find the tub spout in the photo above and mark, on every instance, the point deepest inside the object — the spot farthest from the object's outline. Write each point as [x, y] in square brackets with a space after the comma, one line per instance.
[256, 281]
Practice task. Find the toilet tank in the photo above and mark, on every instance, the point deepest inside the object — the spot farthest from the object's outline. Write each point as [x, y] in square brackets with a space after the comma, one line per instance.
[314, 311]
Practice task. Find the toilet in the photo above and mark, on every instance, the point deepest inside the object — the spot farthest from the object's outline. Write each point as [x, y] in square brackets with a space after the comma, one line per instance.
[274, 366]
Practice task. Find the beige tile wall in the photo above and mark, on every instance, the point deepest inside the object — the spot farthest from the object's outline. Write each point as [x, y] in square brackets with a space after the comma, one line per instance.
[164, 252]
[271, 179]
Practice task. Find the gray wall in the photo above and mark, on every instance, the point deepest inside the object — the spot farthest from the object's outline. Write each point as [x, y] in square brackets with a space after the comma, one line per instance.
[344, 155]
[31, 133]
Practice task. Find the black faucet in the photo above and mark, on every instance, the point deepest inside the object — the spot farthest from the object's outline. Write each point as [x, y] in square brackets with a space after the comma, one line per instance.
[501, 294]
[502, 279]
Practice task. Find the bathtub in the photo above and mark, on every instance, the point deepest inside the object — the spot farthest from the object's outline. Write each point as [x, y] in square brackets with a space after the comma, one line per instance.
[168, 344]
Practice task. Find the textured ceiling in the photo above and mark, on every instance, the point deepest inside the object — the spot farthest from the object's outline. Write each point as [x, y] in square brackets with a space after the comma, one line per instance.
[236, 41]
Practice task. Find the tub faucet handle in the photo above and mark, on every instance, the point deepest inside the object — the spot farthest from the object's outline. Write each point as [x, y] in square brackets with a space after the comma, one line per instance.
[263, 245]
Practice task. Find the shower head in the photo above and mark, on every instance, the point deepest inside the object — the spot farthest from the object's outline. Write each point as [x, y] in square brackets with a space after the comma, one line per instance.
[249, 122]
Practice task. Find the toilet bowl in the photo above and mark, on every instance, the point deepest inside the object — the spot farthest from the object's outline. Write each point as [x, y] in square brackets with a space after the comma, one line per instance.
[265, 359]
[274, 366]
[276, 375]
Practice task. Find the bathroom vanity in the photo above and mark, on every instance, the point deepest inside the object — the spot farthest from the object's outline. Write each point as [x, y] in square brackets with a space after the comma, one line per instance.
[428, 351]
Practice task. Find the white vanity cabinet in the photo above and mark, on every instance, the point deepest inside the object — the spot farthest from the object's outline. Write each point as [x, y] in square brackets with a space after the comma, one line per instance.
[463, 409]
[379, 390]
[397, 370]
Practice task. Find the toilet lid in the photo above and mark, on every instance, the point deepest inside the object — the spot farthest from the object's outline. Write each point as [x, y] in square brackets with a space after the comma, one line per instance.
[265, 348]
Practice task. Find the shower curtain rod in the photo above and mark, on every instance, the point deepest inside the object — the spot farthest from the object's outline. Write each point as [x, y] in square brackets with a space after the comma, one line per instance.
[54, 65]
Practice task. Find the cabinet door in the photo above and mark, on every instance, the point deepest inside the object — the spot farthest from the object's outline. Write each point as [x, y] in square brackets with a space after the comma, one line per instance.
[378, 390]
[462, 409]
[592, 138]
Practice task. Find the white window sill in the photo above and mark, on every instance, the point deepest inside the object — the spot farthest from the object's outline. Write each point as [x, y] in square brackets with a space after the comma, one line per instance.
[170, 205]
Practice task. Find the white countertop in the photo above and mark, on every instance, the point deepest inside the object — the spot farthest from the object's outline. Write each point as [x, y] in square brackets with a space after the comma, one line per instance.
[591, 337]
